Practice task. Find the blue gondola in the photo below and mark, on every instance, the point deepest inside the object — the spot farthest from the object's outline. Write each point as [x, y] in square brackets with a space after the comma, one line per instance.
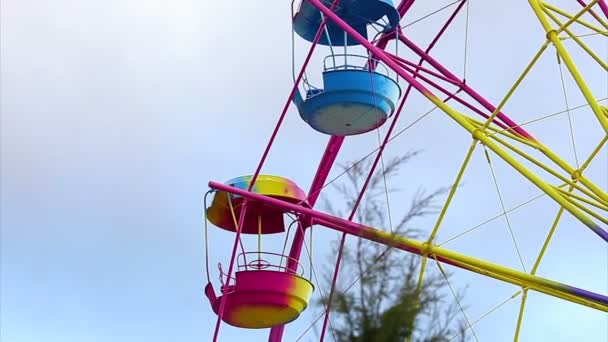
[356, 97]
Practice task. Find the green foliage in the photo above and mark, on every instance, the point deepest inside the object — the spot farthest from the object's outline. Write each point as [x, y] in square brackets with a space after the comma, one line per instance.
[384, 304]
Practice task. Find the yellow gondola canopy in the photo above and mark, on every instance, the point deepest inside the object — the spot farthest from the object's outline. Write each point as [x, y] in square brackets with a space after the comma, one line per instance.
[269, 218]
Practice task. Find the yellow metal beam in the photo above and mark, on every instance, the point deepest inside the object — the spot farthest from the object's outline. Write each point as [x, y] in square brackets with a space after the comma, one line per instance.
[563, 53]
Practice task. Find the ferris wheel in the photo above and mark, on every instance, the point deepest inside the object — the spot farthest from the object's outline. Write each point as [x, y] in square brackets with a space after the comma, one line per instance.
[366, 80]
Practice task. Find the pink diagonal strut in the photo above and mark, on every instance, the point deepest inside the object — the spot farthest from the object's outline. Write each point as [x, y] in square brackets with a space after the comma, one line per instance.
[604, 7]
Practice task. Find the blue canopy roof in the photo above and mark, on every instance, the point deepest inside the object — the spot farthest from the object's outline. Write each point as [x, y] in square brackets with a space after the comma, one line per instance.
[357, 13]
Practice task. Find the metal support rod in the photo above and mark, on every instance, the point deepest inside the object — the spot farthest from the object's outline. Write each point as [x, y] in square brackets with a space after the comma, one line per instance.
[604, 7]
[565, 57]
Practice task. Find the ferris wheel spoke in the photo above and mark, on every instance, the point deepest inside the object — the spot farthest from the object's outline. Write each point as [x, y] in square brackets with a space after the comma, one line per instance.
[511, 91]
[540, 118]
[479, 225]
[594, 192]
[535, 268]
[442, 213]
[548, 239]
[508, 133]
[552, 35]
[464, 314]
[488, 313]
[535, 179]
[588, 190]
[504, 210]
[571, 35]
[520, 315]
[579, 21]
[576, 17]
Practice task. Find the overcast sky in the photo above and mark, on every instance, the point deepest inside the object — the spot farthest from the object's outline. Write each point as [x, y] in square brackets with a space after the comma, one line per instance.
[116, 114]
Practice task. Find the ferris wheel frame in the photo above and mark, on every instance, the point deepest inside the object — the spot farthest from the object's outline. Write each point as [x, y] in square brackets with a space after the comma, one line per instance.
[496, 132]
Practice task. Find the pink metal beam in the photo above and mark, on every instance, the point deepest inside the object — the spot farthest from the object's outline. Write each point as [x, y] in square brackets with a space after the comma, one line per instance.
[329, 156]
[604, 7]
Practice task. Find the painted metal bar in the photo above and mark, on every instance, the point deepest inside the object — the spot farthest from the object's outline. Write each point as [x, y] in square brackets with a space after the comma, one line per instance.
[600, 217]
[604, 7]
[483, 270]
[582, 22]
[327, 161]
[574, 173]
[504, 132]
[576, 16]
[556, 289]
[547, 169]
[565, 57]
[577, 40]
[550, 236]
[583, 199]
[515, 85]
[460, 119]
